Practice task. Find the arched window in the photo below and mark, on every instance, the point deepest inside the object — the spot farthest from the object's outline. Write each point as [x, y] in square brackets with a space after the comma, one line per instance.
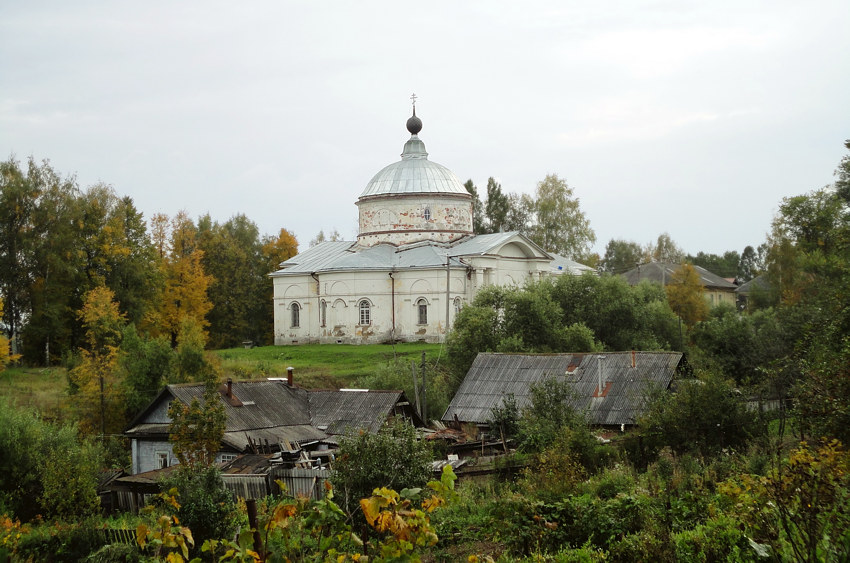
[422, 310]
[458, 305]
[365, 313]
[296, 315]
[323, 313]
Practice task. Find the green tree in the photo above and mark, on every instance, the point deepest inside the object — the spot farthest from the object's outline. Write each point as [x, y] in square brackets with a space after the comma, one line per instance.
[686, 295]
[703, 416]
[191, 361]
[497, 206]
[560, 224]
[197, 429]
[46, 469]
[621, 256]
[751, 263]
[321, 237]
[478, 226]
[393, 458]
[233, 257]
[146, 364]
[521, 213]
[476, 329]
[725, 266]
[666, 250]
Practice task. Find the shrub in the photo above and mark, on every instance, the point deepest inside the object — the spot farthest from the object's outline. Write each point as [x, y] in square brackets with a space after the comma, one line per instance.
[206, 506]
[394, 458]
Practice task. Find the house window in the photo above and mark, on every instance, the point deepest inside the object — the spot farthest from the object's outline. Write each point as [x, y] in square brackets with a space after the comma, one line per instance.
[427, 213]
[227, 457]
[296, 315]
[162, 460]
[422, 308]
[323, 313]
[365, 313]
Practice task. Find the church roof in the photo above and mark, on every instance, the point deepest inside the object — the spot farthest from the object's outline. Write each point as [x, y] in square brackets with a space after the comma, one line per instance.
[414, 173]
[347, 255]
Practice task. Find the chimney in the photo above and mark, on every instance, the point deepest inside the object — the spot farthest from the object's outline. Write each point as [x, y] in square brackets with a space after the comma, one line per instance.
[229, 388]
[289, 379]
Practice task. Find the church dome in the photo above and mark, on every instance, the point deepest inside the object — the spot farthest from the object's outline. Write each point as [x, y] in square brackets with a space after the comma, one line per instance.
[414, 173]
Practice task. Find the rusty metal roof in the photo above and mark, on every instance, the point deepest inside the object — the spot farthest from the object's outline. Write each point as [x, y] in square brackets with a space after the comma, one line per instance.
[624, 388]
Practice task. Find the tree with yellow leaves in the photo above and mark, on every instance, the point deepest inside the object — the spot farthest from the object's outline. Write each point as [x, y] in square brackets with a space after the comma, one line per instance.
[99, 397]
[6, 356]
[186, 282]
[686, 297]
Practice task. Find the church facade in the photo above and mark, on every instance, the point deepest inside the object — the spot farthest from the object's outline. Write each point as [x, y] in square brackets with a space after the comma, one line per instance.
[414, 265]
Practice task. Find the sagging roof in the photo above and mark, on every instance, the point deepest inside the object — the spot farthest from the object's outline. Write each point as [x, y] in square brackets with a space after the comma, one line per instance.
[341, 411]
[662, 272]
[274, 412]
[347, 255]
[625, 389]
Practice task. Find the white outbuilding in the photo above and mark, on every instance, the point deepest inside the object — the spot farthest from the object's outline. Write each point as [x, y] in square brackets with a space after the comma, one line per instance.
[414, 265]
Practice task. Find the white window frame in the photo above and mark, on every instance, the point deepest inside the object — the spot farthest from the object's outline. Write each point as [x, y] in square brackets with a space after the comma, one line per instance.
[364, 311]
[161, 457]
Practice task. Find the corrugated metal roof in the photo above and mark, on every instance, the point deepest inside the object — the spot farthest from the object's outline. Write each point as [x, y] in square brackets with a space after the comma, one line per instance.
[657, 272]
[494, 376]
[339, 412]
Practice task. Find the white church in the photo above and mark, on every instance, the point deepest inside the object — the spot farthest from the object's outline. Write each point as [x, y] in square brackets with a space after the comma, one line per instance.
[414, 265]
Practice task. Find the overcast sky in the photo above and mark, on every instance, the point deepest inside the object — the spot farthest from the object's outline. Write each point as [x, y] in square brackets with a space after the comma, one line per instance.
[693, 118]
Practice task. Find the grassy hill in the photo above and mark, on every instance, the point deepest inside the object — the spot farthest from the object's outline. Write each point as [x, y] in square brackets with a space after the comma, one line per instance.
[316, 366]
[321, 365]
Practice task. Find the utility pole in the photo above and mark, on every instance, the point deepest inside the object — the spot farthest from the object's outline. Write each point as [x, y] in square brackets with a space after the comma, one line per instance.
[424, 392]
[448, 286]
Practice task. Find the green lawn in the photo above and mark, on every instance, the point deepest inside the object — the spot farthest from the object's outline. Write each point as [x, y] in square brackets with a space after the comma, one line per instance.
[316, 366]
[321, 365]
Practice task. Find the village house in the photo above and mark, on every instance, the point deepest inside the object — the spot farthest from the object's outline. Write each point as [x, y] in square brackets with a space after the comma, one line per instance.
[717, 290]
[267, 416]
[610, 388]
[414, 265]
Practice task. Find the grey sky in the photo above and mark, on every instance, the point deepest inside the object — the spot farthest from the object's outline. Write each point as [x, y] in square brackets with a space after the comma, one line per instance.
[693, 118]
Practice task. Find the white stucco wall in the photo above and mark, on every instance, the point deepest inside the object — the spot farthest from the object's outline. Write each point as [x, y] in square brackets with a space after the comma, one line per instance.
[343, 291]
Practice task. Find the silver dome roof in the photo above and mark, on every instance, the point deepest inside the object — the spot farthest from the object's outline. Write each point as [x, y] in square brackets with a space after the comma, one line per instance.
[414, 174]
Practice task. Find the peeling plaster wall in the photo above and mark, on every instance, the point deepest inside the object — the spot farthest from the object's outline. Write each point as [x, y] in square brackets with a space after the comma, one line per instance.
[404, 219]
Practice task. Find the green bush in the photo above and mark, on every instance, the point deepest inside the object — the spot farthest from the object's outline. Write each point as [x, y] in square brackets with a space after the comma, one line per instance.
[719, 539]
[394, 458]
[36, 462]
[206, 506]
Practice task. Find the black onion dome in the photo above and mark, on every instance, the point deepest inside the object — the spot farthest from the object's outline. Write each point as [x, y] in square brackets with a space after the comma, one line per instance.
[414, 124]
